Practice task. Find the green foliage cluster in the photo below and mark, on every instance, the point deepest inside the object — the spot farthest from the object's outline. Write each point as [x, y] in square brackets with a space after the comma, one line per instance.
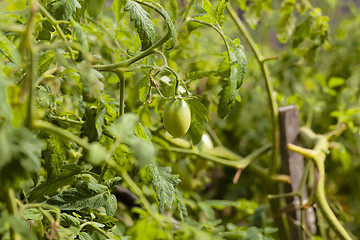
[83, 86]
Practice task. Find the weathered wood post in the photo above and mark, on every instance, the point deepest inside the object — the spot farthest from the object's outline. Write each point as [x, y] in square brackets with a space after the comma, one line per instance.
[293, 165]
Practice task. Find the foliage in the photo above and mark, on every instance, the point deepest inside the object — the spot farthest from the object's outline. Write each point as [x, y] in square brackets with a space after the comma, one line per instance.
[83, 87]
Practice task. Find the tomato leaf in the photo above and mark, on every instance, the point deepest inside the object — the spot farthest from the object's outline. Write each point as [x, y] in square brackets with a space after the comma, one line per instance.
[85, 194]
[49, 188]
[64, 9]
[180, 204]
[143, 23]
[238, 65]
[198, 119]
[238, 70]
[164, 183]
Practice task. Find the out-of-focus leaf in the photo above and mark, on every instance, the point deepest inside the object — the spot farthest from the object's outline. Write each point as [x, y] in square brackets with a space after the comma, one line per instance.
[285, 23]
[124, 129]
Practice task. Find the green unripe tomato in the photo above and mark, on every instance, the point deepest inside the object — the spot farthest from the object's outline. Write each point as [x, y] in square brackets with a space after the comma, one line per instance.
[177, 117]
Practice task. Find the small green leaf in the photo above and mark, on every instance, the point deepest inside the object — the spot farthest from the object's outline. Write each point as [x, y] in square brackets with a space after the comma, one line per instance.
[202, 74]
[238, 65]
[143, 23]
[21, 150]
[207, 6]
[227, 97]
[181, 205]
[45, 60]
[219, 11]
[253, 234]
[113, 182]
[53, 156]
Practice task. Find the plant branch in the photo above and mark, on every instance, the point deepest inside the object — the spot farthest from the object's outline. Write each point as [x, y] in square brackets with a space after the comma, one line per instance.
[121, 77]
[48, 127]
[317, 154]
[94, 225]
[140, 195]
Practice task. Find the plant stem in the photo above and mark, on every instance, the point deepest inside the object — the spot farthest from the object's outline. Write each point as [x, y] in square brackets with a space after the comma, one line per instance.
[318, 156]
[217, 30]
[128, 62]
[273, 166]
[121, 77]
[269, 87]
[32, 70]
[323, 206]
[186, 14]
[11, 206]
[140, 195]
[48, 127]
[93, 225]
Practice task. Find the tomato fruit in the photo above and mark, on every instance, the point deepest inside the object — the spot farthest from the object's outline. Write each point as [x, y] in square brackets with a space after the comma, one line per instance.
[177, 117]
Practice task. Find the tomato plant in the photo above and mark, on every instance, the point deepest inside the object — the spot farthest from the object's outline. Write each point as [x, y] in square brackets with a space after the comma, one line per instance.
[89, 90]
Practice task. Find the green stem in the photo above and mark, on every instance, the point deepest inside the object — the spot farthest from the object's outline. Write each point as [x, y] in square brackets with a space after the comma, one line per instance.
[128, 62]
[93, 225]
[121, 77]
[186, 14]
[109, 156]
[273, 166]
[32, 70]
[324, 207]
[140, 195]
[66, 119]
[217, 30]
[269, 87]
[11, 206]
[48, 127]
[318, 156]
